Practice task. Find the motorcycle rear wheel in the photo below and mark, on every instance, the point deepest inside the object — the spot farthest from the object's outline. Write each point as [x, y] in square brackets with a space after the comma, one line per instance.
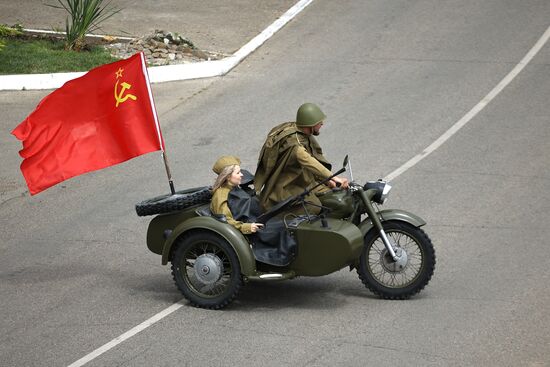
[380, 274]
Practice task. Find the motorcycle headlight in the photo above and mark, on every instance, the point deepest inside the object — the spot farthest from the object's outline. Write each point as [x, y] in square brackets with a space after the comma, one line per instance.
[382, 190]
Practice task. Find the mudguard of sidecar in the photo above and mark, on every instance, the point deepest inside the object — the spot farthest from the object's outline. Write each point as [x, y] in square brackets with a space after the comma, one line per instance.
[392, 215]
[229, 233]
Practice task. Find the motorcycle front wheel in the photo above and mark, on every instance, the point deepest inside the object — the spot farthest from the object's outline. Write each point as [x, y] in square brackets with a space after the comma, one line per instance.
[402, 279]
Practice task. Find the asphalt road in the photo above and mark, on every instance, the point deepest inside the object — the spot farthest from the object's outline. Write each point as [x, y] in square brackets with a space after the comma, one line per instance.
[392, 77]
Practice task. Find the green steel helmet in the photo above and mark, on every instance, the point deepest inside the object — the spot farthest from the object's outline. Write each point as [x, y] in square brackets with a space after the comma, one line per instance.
[308, 115]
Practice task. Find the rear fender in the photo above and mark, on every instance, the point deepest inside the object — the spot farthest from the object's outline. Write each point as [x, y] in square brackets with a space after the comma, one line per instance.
[392, 215]
[233, 236]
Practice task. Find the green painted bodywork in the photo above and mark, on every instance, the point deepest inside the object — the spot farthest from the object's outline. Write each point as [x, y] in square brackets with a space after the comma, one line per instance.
[322, 251]
[161, 223]
[340, 203]
[188, 220]
[395, 215]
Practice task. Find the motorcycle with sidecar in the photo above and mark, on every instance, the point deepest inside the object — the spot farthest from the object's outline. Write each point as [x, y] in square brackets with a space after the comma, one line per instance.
[211, 260]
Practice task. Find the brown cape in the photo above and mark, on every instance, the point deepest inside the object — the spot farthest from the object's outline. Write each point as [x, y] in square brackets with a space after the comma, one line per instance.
[279, 173]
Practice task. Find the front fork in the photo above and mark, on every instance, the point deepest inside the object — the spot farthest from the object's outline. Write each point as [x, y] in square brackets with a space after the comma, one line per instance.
[393, 250]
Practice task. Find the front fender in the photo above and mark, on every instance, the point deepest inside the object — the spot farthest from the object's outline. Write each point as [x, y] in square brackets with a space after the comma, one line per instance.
[228, 232]
[393, 215]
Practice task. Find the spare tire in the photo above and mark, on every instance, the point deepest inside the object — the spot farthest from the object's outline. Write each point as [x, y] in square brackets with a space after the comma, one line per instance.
[173, 203]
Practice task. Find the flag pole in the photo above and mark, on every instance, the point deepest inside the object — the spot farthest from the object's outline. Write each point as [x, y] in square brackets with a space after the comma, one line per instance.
[168, 173]
[161, 142]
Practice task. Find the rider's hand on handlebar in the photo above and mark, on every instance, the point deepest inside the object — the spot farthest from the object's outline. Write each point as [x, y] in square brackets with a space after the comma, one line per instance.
[339, 182]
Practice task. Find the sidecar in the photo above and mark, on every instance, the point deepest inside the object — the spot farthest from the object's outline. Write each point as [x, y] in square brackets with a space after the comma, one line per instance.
[211, 259]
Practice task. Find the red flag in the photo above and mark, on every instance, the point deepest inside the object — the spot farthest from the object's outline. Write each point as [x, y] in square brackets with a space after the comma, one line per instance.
[98, 120]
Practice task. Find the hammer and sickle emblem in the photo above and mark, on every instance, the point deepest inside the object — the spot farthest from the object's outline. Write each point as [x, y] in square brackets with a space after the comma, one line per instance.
[120, 97]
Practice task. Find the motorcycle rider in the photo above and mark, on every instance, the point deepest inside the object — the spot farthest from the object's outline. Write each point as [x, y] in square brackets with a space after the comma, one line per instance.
[292, 160]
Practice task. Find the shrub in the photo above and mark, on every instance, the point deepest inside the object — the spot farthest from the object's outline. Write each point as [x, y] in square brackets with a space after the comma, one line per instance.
[6, 31]
[85, 17]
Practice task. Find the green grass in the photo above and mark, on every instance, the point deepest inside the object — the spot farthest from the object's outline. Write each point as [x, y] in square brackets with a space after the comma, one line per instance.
[31, 56]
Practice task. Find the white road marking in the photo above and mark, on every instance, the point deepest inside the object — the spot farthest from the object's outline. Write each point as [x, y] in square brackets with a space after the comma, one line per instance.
[474, 111]
[127, 335]
[409, 164]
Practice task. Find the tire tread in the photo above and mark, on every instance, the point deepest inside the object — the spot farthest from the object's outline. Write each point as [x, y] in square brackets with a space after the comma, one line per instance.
[392, 294]
[173, 203]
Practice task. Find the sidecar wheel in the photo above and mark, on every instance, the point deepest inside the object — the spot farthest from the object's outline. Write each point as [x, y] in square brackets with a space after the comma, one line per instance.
[206, 270]
[391, 280]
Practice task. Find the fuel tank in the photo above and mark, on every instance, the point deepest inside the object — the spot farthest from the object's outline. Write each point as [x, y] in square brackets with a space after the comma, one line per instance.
[340, 203]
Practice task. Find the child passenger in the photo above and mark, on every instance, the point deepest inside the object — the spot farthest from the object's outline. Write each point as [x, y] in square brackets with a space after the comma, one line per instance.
[272, 243]
[229, 178]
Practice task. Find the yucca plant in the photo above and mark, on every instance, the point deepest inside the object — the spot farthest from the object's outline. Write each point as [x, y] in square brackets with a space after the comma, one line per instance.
[85, 17]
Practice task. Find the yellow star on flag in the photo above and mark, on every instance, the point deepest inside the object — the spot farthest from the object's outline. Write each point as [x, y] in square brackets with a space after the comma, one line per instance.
[119, 73]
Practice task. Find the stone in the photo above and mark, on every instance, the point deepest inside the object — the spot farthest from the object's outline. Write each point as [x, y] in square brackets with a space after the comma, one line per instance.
[158, 44]
[162, 48]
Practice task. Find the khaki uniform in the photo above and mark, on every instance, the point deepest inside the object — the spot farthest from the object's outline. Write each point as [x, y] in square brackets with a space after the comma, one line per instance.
[290, 162]
[219, 206]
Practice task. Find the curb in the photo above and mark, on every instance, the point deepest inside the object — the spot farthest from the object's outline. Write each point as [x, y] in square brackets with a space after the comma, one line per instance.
[159, 74]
